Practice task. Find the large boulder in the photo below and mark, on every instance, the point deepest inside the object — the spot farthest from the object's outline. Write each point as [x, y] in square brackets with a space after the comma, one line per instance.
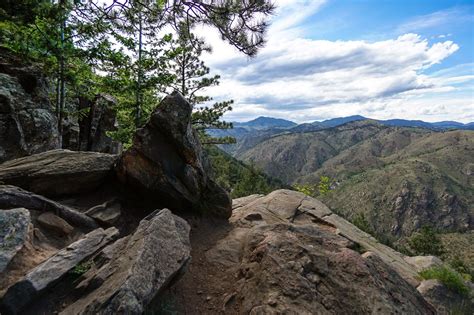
[27, 124]
[132, 271]
[305, 269]
[58, 172]
[166, 162]
[14, 225]
[291, 255]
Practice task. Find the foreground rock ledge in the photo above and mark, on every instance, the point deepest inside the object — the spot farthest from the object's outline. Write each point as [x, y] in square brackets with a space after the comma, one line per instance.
[53, 269]
[137, 267]
[166, 162]
[292, 256]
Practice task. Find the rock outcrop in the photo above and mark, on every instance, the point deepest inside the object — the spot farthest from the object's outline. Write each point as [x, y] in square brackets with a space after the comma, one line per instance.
[59, 172]
[49, 272]
[135, 268]
[27, 125]
[291, 254]
[93, 128]
[14, 225]
[166, 162]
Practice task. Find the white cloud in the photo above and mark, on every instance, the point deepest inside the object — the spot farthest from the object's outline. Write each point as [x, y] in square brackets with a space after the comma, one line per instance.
[432, 20]
[302, 79]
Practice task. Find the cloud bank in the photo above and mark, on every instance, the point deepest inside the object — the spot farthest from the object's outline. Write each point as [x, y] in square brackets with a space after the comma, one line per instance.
[307, 79]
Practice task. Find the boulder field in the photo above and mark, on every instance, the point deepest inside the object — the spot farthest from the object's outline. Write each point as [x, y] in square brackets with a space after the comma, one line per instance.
[149, 231]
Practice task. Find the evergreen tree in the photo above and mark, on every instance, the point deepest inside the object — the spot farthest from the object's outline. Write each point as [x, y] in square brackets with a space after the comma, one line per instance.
[192, 77]
[89, 46]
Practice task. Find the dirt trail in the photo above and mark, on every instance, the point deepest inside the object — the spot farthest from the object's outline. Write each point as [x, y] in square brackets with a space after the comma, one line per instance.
[205, 286]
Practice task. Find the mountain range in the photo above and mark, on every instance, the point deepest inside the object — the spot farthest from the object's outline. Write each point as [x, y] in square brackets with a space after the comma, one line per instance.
[263, 123]
[249, 133]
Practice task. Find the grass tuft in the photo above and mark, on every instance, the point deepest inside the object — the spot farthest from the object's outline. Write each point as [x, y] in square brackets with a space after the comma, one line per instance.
[450, 278]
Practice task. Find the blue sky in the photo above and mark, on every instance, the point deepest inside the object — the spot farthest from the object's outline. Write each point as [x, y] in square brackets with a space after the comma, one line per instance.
[382, 59]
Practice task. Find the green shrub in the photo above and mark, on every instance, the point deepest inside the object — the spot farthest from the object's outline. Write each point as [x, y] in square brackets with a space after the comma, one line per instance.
[308, 190]
[449, 277]
[324, 185]
[82, 268]
[460, 266]
[361, 222]
[426, 242]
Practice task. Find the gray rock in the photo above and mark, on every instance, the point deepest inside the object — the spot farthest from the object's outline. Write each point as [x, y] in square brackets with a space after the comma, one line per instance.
[14, 226]
[443, 299]
[27, 125]
[94, 127]
[54, 268]
[58, 172]
[166, 162]
[106, 213]
[54, 223]
[424, 262]
[12, 197]
[137, 267]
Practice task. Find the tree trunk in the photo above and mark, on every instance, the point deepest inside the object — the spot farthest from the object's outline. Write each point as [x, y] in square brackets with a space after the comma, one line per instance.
[183, 73]
[62, 83]
[140, 74]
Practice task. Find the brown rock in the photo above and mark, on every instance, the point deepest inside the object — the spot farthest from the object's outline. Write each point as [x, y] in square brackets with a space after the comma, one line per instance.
[54, 223]
[298, 258]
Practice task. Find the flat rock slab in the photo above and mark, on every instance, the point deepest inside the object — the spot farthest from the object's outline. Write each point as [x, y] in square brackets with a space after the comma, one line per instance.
[58, 172]
[14, 225]
[138, 267]
[47, 273]
[107, 213]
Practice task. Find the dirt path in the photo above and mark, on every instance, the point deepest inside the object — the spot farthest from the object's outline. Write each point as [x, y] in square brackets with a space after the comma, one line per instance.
[205, 286]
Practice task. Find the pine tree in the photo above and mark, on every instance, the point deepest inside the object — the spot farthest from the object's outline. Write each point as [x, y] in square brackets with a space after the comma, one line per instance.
[136, 26]
[192, 77]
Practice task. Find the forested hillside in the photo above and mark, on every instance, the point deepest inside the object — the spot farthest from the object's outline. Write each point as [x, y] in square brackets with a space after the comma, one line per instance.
[395, 179]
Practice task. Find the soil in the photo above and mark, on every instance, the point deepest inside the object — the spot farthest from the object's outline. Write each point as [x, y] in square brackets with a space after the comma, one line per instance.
[204, 287]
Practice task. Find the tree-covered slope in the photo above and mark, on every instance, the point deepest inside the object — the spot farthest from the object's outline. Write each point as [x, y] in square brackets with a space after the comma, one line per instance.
[397, 178]
[237, 177]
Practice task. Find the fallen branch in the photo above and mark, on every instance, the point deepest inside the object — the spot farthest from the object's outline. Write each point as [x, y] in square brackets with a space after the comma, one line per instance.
[14, 197]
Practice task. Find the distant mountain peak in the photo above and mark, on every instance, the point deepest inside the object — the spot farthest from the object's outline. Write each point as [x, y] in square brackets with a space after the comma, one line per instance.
[263, 122]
